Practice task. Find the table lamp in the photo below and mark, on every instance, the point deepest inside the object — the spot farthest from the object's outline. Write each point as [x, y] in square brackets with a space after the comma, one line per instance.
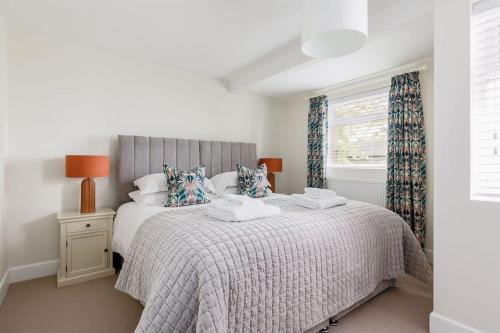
[87, 167]
[273, 165]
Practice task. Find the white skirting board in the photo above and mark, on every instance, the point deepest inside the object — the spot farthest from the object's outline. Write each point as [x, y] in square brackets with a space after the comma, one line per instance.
[4, 286]
[442, 324]
[33, 271]
[27, 272]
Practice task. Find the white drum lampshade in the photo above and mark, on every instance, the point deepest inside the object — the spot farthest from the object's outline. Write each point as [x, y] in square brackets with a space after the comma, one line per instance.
[333, 28]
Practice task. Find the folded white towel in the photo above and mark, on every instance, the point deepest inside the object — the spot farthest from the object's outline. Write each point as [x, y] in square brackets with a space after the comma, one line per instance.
[242, 199]
[324, 203]
[230, 202]
[228, 211]
[319, 193]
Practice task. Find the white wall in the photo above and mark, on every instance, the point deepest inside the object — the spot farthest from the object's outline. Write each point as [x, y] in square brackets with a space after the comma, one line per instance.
[466, 243]
[295, 153]
[295, 160]
[3, 148]
[66, 99]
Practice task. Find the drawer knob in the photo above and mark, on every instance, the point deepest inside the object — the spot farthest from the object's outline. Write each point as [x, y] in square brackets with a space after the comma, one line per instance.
[105, 250]
[88, 225]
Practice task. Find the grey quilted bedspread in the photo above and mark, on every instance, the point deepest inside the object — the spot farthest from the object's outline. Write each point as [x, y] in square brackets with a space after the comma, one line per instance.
[281, 274]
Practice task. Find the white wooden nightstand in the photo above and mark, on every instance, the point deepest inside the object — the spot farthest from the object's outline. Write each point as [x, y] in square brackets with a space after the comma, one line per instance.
[85, 242]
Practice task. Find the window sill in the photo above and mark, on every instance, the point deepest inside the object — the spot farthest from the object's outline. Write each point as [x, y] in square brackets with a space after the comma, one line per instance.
[485, 198]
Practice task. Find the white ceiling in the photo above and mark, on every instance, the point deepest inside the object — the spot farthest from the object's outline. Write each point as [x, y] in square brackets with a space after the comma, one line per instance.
[408, 44]
[239, 41]
[211, 37]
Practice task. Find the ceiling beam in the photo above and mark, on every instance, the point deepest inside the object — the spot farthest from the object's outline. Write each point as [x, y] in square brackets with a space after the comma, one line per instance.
[290, 57]
[284, 58]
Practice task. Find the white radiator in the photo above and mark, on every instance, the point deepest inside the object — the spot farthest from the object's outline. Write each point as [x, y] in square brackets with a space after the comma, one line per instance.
[359, 189]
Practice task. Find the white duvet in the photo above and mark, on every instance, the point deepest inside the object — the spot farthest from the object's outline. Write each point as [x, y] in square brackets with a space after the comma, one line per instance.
[130, 217]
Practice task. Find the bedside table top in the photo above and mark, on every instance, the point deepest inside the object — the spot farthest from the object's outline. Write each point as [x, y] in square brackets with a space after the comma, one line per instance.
[75, 214]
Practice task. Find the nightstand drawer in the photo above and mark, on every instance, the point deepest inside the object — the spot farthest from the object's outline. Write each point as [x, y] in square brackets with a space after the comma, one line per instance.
[89, 225]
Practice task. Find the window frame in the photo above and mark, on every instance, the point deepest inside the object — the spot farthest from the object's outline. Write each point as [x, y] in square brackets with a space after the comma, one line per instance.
[331, 111]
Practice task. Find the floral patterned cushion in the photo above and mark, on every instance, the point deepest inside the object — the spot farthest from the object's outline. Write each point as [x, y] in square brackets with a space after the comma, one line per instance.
[169, 172]
[185, 187]
[253, 183]
[191, 187]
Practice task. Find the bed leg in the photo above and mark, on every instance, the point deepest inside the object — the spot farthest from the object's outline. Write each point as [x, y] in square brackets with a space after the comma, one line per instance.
[333, 322]
[323, 330]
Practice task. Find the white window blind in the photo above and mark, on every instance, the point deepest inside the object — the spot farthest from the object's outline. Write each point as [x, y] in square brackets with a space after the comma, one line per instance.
[358, 130]
[485, 101]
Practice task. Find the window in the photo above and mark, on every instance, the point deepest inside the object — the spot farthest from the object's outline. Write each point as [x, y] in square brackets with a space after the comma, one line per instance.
[485, 101]
[358, 130]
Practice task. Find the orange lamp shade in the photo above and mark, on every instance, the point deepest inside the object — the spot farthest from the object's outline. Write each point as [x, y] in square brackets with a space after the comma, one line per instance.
[87, 166]
[273, 164]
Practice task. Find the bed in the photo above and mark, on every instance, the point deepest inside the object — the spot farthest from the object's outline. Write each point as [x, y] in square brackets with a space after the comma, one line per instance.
[286, 273]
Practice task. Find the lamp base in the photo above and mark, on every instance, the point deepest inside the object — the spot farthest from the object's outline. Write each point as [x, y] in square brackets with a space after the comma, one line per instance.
[87, 203]
[271, 178]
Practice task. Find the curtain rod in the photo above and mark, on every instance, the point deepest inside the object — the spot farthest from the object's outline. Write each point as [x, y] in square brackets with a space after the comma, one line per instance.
[374, 78]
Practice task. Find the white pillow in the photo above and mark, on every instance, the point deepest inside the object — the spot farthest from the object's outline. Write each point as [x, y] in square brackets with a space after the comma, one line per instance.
[209, 186]
[157, 182]
[151, 199]
[223, 180]
[153, 183]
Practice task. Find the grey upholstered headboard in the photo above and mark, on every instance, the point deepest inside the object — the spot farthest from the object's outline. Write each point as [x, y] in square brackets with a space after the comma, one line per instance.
[139, 156]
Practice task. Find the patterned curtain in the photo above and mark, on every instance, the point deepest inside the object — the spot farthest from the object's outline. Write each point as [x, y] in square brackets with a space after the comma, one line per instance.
[317, 142]
[406, 174]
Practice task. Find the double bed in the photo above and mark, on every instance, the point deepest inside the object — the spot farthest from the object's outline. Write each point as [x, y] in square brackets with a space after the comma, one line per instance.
[285, 273]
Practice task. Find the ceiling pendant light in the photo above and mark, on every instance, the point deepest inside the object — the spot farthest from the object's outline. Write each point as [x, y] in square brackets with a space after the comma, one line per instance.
[333, 28]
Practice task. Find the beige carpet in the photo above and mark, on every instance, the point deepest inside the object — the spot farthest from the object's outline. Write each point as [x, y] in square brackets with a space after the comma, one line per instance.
[95, 306]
